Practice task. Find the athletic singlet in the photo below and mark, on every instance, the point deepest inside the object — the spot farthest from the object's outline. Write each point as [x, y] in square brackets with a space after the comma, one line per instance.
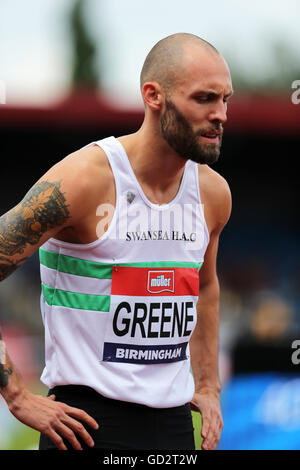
[119, 312]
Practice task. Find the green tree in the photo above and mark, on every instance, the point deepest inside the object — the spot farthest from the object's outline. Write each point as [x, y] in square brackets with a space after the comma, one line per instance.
[84, 70]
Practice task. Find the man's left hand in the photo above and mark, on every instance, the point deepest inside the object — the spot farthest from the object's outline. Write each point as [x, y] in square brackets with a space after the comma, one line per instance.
[207, 402]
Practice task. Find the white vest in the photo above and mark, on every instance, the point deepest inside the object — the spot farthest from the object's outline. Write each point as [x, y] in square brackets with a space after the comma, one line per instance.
[119, 312]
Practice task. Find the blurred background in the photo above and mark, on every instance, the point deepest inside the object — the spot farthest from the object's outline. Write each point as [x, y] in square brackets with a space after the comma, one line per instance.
[69, 75]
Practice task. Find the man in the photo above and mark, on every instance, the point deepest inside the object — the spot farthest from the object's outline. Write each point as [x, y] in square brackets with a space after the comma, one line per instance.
[130, 292]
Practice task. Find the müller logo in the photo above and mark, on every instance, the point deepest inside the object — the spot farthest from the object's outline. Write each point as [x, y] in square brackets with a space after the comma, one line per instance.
[160, 281]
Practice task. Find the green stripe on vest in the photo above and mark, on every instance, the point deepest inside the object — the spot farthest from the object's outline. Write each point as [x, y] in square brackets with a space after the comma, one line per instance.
[77, 266]
[62, 298]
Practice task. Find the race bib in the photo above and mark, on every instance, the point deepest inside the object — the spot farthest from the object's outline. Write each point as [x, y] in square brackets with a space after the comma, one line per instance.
[152, 314]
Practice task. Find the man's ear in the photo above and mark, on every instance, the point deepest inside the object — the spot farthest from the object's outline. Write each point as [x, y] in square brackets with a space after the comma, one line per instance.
[152, 95]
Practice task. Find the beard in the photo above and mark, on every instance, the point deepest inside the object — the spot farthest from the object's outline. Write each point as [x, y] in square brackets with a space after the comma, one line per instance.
[181, 137]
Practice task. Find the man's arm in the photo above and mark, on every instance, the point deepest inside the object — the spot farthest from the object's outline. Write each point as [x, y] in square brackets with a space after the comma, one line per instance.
[58, 200]
[42, 212]
[204, 341]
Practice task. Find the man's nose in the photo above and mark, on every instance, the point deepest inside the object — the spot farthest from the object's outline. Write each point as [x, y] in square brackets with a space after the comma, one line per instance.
[219, 112]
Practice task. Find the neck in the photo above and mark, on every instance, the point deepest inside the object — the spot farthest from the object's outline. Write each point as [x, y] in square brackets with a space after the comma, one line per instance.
[154, 162]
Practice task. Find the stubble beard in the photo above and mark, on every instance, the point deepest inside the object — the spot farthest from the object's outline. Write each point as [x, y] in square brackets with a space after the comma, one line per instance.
[179, 134]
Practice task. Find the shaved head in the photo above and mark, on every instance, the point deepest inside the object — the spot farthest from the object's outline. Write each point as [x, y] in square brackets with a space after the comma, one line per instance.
[165, 61]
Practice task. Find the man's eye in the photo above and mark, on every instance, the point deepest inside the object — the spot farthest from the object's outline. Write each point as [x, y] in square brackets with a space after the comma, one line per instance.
[201, 98]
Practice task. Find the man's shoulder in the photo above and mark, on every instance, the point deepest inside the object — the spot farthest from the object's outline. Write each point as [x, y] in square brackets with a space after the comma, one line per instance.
[215, 193]
[212, 181]
[84, 176]
[86, 166]
[86, 159]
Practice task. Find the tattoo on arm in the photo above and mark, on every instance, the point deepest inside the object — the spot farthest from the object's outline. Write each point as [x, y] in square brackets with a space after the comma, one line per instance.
[43, 208]
[7, 266]
[4, 373]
